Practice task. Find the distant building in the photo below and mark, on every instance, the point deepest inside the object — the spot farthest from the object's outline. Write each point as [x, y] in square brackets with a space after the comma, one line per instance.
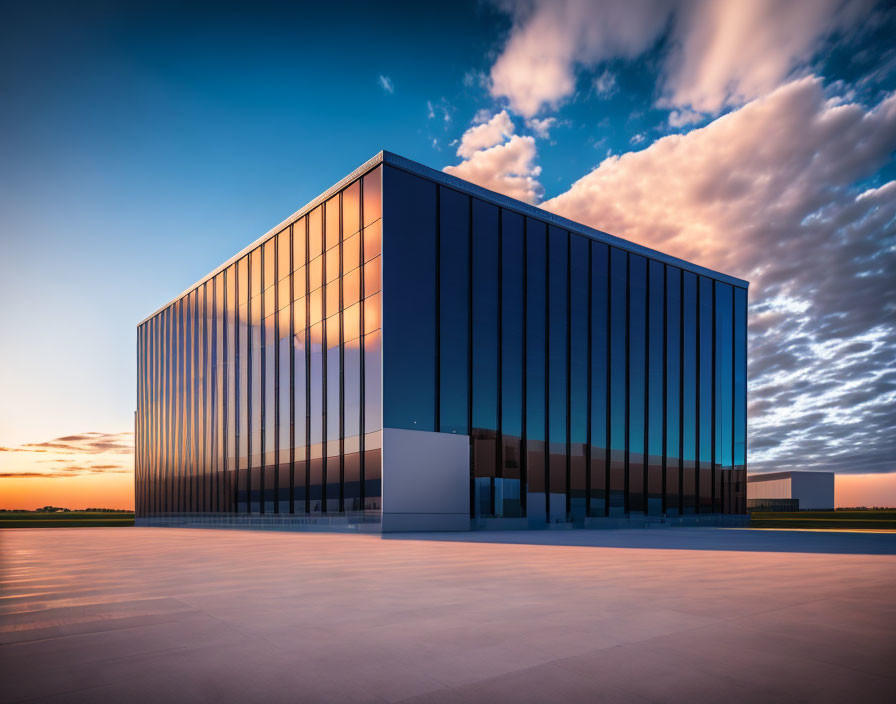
[790, 490]
[411, 351]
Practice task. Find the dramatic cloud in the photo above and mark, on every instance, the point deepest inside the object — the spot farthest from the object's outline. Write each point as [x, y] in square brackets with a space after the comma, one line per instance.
[550, 38]
[496, 158]
[720, 52]
[728, 52]
[386, 84]
[768, 193]
[485, 135]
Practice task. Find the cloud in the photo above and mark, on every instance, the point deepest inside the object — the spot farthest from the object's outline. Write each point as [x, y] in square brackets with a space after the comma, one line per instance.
[541, 128]
[729, 52]
[497, 158]
[550, 38]
[68, 471]
[485, 135]
[769, 193]
[605, 84]
[89, 443]
[681, 118]
[720, 52]
[638, 138]
[386, 84]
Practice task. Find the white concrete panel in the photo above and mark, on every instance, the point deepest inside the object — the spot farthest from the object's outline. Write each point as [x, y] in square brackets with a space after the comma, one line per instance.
[426, 481]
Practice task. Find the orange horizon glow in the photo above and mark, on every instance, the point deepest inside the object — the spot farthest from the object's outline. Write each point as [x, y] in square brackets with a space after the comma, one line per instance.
[117, 491]
[92, 491]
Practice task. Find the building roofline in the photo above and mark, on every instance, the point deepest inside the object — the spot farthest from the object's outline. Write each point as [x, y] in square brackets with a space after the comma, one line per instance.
[769, 476]
[400, 162]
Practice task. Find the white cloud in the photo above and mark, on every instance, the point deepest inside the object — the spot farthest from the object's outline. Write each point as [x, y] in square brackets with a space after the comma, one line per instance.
[605, 84]
[638, 138]
[767, 192]
[541, 128]
[730, 52]
[550, 38]
[680, 118]
[496, 158]
[386, 84]
[723, 52]
[484, 135]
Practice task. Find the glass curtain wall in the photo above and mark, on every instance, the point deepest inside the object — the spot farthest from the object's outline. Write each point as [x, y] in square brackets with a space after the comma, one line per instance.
[260, 390]
[592, 381]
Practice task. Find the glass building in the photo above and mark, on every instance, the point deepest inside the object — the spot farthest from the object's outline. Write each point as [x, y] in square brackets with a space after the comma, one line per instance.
[411, 351]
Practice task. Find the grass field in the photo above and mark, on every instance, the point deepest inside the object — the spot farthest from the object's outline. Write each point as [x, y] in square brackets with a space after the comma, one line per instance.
[844, 520]
[69, 519]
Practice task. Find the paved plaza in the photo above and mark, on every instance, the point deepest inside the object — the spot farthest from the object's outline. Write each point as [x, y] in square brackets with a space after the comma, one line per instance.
[662, 615]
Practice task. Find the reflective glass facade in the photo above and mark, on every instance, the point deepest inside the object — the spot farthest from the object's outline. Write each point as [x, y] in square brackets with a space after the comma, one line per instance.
[259, 391]
[593, 378]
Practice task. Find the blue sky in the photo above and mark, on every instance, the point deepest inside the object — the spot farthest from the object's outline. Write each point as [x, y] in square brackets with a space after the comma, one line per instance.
[141, 146]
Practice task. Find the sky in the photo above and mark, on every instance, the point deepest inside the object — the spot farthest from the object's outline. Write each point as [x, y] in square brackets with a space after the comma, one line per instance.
[141, 145]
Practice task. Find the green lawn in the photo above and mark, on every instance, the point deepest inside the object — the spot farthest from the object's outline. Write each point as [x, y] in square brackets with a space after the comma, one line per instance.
[69, 519]
[851, 520]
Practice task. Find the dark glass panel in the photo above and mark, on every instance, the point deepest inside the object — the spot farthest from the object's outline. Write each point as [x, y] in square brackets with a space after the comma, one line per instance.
[656, 348]
[351, 209]
[637, 375]
[599, 376]
[673, 388]
[508, 486]
[579, 362]
[558, 284]
[409, 303]
[373, 195]
[689, 393]
[618, 366]
[724, 400]
[536, 362]
[704, 385]
[740, 379]
[485, 352]
[454, 310]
